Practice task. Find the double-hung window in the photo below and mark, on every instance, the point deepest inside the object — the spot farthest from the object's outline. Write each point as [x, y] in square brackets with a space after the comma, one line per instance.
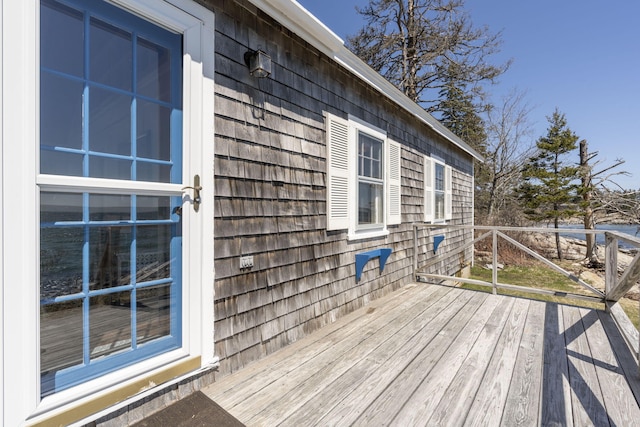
[370, 181]
[437, 190]
[364, 186]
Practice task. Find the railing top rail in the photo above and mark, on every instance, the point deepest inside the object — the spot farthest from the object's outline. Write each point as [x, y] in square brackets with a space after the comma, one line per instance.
[526, 229]
[627, 238]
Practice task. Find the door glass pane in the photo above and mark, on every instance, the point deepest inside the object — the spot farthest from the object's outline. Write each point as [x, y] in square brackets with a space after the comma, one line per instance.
[105, 167]
[61, 38]
[110, 273]
[153, 253]
[110, 324]
[61, 247]
[153, 314]
[154, 131]
[60, 163]
[60, 336]
[107, 207]
[111, 55]
[154, 70]
[60, 261]
[153, 172]
[110, 256]
[109, 122]
[60, 111]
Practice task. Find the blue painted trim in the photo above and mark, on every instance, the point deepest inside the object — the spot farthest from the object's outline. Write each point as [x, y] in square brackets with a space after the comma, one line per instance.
[136, 351]
[364, 257]
[436, 242]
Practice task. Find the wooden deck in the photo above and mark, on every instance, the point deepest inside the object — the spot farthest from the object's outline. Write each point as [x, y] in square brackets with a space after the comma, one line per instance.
[435, 355]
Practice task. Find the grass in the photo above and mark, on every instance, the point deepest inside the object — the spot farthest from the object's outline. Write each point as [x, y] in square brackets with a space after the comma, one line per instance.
[537, 277]
[542, 277]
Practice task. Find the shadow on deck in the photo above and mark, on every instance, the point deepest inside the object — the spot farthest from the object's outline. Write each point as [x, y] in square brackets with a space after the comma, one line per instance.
[436, 355]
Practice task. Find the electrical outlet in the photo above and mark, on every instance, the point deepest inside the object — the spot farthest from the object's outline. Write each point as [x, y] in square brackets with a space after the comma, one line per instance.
[246, 262]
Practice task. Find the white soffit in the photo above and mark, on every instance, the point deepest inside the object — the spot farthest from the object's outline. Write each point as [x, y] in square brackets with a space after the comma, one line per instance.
[299, 20]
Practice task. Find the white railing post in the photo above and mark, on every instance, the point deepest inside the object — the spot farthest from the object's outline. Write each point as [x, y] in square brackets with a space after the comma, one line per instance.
[494, 264]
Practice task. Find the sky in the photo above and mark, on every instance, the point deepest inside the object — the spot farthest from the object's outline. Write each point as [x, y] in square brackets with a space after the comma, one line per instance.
[579, 56]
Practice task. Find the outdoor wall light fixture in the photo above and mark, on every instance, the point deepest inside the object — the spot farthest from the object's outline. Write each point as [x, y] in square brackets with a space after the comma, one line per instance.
[259, 63]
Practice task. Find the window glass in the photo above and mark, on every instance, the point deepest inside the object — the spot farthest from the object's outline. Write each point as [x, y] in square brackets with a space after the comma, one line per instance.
[370, 204]
[370, 182]
[439, 191]
[439, 181]
[369, 157]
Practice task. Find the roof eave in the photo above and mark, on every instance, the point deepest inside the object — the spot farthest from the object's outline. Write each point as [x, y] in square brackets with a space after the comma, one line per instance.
[300, 21]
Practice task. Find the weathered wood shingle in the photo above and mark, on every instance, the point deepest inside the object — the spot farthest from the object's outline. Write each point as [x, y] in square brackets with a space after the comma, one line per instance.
[270, 186]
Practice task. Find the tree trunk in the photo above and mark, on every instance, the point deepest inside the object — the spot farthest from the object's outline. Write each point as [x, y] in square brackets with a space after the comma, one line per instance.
[411, 89]
[587, 195]
[556, 223]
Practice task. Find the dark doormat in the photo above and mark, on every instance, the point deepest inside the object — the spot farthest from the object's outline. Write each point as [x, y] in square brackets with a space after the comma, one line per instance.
[196, 410]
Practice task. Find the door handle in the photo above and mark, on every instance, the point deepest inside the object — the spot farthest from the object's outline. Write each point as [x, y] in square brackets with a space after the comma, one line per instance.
[196, 192]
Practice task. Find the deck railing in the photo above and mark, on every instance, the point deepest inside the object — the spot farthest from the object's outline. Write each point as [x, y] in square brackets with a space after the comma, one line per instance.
[429, 261]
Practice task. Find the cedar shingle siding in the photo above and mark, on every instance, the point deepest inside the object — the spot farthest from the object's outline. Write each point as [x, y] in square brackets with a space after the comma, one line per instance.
[270, 186]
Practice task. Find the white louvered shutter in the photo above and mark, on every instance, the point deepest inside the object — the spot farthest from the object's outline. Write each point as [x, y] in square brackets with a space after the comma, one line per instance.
[338, 173]
[394, 183]
[428, 189]
[448, 199]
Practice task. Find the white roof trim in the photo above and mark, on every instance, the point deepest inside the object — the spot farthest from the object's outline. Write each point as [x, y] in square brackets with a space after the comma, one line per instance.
[299, 20]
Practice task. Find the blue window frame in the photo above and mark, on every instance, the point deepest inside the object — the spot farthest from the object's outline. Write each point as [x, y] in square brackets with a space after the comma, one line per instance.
[110, 263]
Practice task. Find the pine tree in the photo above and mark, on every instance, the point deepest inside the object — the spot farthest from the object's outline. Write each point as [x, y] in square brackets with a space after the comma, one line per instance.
[550, 190]
[459, 115]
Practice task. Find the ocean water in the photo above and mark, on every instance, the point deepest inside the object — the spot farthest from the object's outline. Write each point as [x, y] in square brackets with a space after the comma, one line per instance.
[630, 229]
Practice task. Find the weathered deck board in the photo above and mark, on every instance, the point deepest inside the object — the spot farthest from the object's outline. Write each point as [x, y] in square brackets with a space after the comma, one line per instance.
[523, 400]
[379, 406]
[459, 395]
[487, 411]
[556, 391]
[432, 355]
[621, 407]
[305, 384]
[373, 367]
[426, 398]
[586, 397]
[255, 377]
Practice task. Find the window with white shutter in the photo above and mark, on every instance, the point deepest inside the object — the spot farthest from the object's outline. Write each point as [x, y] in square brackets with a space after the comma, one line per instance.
[437, 191]
[364, 182]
